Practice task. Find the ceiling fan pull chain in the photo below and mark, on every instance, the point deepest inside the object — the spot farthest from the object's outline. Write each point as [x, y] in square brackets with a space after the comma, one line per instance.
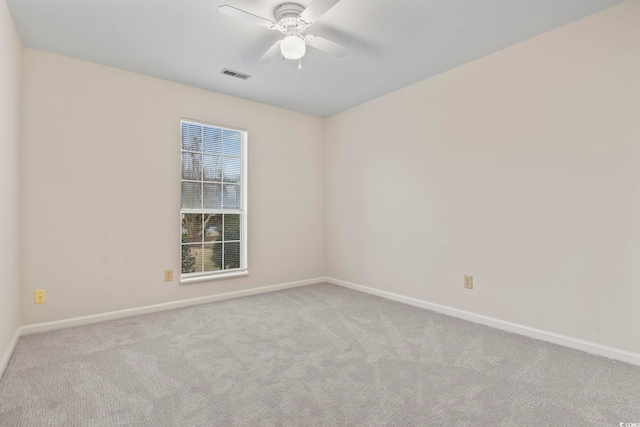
[300, 64]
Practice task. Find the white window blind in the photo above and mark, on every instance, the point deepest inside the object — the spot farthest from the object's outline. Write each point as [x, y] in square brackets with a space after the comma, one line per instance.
[213, 201]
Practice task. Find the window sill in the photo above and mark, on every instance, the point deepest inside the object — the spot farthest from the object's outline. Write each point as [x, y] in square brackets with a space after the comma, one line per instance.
[208, 277]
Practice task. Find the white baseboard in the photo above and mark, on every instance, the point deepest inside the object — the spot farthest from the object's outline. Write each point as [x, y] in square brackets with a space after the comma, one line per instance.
[7, 354]
[102, 317]
[577, 344]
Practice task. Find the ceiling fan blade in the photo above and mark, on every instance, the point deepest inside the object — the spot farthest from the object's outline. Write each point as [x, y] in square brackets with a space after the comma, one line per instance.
[326, 45]
[246, 16]
[270, 53]
[316, 9]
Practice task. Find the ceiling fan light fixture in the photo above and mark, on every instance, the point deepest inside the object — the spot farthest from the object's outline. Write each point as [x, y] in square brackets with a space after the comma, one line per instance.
[293, 47]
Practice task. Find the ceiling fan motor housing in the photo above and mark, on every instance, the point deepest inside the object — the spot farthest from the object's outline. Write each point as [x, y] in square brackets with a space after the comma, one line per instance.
[288, 10]
[287, 18]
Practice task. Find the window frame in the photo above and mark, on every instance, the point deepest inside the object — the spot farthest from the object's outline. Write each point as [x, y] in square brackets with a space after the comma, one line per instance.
[243, 270]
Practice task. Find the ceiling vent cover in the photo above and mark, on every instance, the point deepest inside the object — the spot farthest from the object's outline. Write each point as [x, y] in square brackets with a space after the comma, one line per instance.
[237, 74]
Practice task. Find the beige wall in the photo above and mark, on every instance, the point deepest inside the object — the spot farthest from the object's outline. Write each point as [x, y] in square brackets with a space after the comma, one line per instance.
[521, 169]
[101, 188]
[10, 58]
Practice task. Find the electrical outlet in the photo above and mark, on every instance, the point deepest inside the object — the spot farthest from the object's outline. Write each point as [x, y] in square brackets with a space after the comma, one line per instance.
[168, 275]
[468, 282]
[40, 296]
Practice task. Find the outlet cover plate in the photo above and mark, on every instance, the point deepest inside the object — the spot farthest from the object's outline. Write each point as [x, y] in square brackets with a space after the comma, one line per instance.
[468, 282]
[40, 296]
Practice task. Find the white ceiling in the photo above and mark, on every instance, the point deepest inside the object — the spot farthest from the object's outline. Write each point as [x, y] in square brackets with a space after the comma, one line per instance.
[393, 43]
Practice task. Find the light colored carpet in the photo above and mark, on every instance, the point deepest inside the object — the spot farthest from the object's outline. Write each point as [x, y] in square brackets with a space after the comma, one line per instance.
[320, 355]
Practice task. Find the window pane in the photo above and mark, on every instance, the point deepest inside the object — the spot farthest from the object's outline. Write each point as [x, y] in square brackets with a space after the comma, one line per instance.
[191, 137]
[231, 227]
[189, 258]
[231, 144]
[212, 196]
[231, 169]
[191, 228]
[191, 195]
[212, 227]
[191, 166]
[212, 140]
[231, 196]
[213, 168]
[212, 256]
[231, 255]
[197, 252]
[216, 256]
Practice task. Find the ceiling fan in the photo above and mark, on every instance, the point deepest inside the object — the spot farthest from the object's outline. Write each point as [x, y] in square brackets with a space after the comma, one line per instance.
[292, 20]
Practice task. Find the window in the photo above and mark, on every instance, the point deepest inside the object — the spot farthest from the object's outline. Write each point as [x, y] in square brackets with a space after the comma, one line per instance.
[213, 199]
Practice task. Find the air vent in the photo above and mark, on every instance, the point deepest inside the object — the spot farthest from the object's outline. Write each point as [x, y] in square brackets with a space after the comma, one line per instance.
[232, 73]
